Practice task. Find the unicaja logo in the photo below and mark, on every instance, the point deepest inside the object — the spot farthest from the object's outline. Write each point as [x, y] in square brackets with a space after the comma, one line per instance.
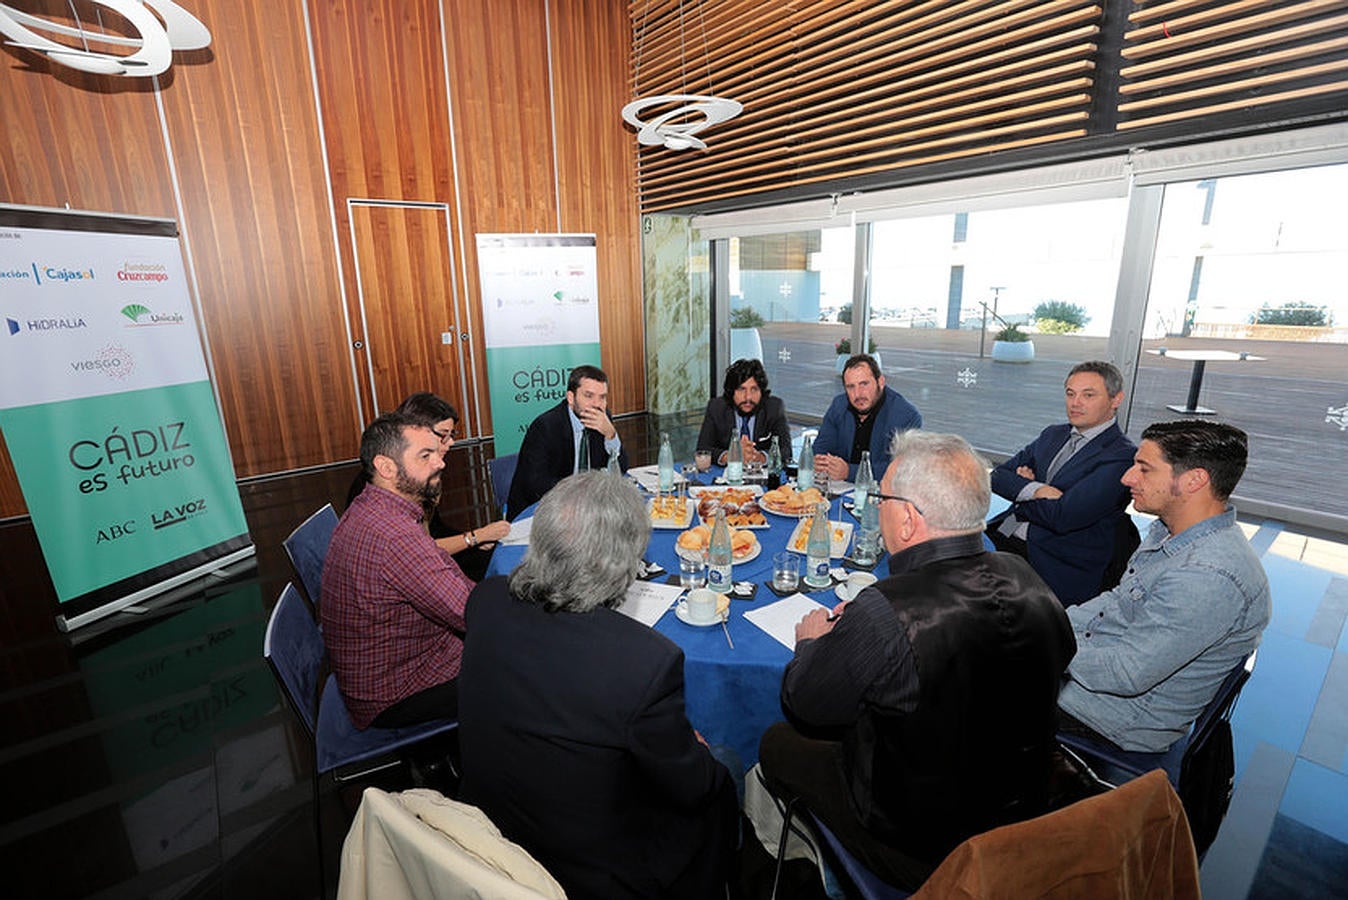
[139, 314]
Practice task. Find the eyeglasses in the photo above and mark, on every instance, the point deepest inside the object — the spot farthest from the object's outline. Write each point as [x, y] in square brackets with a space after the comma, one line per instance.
[880, 498]
[443, 435]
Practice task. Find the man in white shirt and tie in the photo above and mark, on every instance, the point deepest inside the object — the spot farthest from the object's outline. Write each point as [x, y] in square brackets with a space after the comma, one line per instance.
[576, 434]
[1067, 502]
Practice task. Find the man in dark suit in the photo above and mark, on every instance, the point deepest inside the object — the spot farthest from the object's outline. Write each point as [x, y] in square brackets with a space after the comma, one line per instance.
[746, 410]
[552, 446]
[1067, 503]
[572, 725]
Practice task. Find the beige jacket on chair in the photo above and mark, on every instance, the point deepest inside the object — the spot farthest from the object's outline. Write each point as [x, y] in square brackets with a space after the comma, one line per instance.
[419, 844]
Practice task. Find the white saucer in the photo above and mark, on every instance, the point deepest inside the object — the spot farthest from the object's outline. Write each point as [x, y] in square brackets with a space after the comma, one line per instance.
[843, 592]
[681, 611]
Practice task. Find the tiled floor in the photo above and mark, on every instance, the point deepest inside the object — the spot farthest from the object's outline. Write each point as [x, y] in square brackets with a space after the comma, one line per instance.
[150, 756]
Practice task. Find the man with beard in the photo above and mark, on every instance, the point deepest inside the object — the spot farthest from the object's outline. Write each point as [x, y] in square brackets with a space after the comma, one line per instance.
[746, 411]
[552, 447]
[392, 601]
[864, 416]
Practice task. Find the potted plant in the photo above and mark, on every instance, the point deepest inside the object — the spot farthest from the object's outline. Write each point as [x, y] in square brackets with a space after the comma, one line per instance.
[1012, 345]
[844, 350]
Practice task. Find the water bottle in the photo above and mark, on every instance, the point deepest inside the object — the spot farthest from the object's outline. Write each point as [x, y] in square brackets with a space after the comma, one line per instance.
[865, 484]
[817, 549]
[666, 464]
[805, 468]
[613, 467]
[734, 462]
[719, 556]
[774, 465]
[866, 548]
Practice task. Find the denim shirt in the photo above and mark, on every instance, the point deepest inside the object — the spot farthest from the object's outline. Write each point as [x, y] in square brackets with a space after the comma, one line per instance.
[1152, 652]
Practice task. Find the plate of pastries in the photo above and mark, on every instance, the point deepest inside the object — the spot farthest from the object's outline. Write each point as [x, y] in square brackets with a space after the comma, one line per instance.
[670, 511]
[694, 542]
[740, 504]
[787, 501]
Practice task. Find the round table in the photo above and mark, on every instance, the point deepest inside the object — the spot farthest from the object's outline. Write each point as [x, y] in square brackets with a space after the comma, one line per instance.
[732, 695]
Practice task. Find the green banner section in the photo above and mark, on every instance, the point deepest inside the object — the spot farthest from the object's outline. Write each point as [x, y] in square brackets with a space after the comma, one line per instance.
[122, 483]
[525, 381]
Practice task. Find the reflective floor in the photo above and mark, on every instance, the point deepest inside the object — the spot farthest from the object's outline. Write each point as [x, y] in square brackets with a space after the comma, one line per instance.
[149, 755]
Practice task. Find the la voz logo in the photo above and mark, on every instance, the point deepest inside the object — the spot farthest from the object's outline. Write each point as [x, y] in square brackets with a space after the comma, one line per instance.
[179, 513]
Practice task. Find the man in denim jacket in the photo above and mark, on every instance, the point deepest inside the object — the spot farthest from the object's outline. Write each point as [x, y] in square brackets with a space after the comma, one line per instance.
[1152, 652]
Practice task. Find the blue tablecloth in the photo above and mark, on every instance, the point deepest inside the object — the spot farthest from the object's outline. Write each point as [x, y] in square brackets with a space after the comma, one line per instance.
[732, 695]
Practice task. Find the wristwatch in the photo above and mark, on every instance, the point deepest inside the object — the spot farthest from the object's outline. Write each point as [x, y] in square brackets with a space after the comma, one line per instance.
[471, 539]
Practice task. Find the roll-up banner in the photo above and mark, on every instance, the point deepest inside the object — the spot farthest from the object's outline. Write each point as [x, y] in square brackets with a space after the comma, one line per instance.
[107, 409]
[540, 315]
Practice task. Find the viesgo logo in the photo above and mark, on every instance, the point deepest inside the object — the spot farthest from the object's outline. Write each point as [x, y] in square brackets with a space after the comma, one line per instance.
[113, 361]
[133, 272]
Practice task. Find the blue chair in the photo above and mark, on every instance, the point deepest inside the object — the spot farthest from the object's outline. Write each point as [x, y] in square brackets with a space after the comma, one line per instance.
[294, 649]
[1116, 766]
[502, 470]
[1204, 778]
[863, 882]
[307, 547]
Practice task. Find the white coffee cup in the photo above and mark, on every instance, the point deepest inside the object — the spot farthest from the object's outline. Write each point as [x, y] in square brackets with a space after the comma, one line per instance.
[858, 582]
[702, 606]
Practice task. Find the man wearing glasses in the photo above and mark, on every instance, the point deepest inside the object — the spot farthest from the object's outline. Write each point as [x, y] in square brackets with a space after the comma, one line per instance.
[924, 711]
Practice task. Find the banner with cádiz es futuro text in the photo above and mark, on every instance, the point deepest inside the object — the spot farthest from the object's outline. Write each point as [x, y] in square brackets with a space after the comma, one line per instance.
[107, 409]
[540, 316]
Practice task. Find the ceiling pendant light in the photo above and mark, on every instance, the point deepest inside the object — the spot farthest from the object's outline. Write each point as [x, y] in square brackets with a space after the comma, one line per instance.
[676, 119]
[152, 47]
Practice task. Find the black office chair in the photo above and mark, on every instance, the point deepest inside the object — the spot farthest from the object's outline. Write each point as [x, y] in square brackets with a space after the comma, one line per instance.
[502, 470]
[307, 547]
[1196, 764]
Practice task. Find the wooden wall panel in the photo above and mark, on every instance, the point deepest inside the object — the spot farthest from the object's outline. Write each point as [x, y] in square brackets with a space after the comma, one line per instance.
[89, 141]
[245, 137]
[244, 132]
[596, 172]
[381, 83]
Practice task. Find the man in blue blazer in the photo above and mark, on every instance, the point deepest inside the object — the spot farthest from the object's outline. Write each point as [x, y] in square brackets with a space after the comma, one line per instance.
[863, 417]
[1067, 502]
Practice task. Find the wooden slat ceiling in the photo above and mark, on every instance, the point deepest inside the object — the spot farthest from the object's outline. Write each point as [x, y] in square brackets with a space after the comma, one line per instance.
[1186, 59]
[833, 89]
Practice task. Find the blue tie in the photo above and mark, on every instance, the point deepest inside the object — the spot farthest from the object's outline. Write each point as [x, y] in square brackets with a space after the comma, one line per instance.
[744, 427]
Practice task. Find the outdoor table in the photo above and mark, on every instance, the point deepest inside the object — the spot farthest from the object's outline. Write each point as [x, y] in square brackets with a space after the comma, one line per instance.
[732, 695]
[1200, 359]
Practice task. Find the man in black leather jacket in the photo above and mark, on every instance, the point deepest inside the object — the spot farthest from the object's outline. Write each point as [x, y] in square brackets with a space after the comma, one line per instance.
[924, 711]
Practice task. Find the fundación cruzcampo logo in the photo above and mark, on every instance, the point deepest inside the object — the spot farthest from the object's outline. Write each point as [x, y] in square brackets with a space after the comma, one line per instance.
[139, 314]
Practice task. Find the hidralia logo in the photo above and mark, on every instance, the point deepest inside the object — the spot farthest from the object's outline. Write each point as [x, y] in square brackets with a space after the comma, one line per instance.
[143, 315]
[62, 323]
[113, 361]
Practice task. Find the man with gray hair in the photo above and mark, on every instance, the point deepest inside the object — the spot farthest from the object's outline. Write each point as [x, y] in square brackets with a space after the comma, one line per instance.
[572, 725]
[923, 712]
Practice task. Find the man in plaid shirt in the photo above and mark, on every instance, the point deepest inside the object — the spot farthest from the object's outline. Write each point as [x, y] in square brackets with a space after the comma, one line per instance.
[392, 601]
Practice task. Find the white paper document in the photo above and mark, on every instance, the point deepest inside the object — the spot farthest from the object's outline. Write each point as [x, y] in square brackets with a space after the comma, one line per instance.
[519, 532]
[649, 477]
[780, 619]
[647, 601]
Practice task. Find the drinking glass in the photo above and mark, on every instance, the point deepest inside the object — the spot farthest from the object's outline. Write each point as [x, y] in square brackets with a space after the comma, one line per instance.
[692, 572]
[703, 460]
[786, 571]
